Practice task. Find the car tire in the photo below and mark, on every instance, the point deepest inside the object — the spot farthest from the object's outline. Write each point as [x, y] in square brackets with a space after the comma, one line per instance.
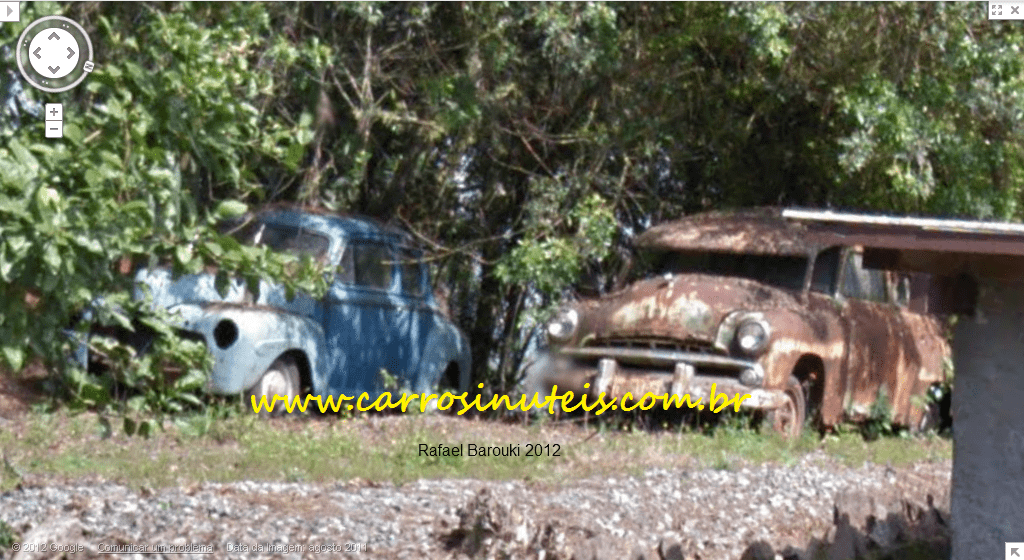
[281, 378]
[788, 421]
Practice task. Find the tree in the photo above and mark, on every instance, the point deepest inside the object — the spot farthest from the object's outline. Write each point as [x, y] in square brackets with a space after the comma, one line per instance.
[523, 143]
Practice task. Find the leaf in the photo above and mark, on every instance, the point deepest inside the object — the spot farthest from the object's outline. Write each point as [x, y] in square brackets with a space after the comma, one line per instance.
[293, 156]
[93, 178]
[190, 399]
[182, 254]
[214, 248]
[73, 133]
[130, 425]
[51, 256]
[222, 282]
[136, 403]
[15, 357]
[229, 209]
[146, 427]
[24, 156]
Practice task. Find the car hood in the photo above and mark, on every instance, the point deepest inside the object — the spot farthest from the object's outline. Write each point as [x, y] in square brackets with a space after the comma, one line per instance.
[681, 307]
[200, 290]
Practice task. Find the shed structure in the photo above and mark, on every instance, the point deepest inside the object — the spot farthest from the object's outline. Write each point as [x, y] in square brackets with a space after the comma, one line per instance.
[984, 265]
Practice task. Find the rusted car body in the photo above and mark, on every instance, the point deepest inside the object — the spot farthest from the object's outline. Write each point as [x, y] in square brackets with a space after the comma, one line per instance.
[757, 305]
[378, 314]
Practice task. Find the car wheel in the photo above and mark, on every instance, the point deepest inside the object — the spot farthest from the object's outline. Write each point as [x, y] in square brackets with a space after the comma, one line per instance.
[281, 378]
[788, 420]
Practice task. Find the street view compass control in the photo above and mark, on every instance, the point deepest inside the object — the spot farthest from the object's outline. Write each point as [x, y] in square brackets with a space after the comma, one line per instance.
[54, 54]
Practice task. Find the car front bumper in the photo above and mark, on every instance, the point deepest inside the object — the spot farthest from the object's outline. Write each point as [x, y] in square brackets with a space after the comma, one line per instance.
[618, 371]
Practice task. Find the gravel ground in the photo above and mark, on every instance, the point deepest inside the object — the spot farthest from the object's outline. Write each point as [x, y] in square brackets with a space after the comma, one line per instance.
[707, 514]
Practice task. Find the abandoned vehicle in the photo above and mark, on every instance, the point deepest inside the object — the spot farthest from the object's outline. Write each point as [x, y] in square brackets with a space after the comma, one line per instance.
[756, 305]
[379, 314]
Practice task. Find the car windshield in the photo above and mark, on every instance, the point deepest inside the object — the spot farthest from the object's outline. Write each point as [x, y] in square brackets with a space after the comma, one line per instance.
[285, 239]
[783, 271]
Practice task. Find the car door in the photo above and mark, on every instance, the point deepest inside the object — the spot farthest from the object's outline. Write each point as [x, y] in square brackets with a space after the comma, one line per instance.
[415, 290]
[880, 351]
[366, 326]
[926, 333]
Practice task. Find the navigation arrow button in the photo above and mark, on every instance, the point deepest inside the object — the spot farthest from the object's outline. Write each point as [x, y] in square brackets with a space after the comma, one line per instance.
[53, 36]
[10, 11]
[71, 53]
[36, 52]
[53, 69]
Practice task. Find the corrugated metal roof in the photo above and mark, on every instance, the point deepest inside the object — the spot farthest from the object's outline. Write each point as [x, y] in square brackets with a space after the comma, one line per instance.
[913, 234]
[932, 224]
[932, 245]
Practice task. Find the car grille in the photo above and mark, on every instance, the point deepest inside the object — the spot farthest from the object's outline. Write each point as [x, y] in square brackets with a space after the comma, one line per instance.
[655, 343]
[191, 335]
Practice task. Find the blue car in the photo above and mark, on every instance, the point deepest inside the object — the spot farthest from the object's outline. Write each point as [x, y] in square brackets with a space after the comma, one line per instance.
[379, 314]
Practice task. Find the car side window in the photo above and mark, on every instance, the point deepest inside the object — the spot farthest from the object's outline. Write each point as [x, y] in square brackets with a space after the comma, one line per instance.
[826, 271]
[900, 289]
[346, 272]
[862, 283]
[412, 274]
[372, 264]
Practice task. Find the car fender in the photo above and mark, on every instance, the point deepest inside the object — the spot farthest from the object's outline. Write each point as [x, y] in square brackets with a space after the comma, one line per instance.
[447, 344]
[817, 331]
[260, 335]
[787, 348]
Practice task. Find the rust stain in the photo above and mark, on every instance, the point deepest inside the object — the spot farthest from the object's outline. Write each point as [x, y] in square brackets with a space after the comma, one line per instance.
[760, 231]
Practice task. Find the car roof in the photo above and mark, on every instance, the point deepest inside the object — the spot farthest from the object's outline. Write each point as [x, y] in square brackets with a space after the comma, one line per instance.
[347, 225]
[759, 231]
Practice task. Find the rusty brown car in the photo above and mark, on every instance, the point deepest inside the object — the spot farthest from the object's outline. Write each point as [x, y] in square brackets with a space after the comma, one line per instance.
[757, 305]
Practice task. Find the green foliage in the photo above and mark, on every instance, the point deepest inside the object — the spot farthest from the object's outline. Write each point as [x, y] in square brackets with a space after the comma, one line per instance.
[7, 535]
[527, 141]
[879, 421]
[552, 262]
[126, 181]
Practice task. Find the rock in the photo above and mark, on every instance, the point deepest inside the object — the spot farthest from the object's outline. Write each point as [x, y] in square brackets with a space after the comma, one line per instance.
[669, 512]
[810, 553]
[65, 532]
[759, 550]
[888, 532]
[596, 549]
[670, 550]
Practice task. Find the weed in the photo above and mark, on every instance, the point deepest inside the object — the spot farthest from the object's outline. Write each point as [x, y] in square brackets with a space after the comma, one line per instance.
[7, 536]
[880, 420]
[722, 464]
[222, 444]
[157, 374]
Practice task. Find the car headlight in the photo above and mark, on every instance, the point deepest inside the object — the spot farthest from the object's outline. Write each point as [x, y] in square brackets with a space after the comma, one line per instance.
[563, 326]
[752, 336]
